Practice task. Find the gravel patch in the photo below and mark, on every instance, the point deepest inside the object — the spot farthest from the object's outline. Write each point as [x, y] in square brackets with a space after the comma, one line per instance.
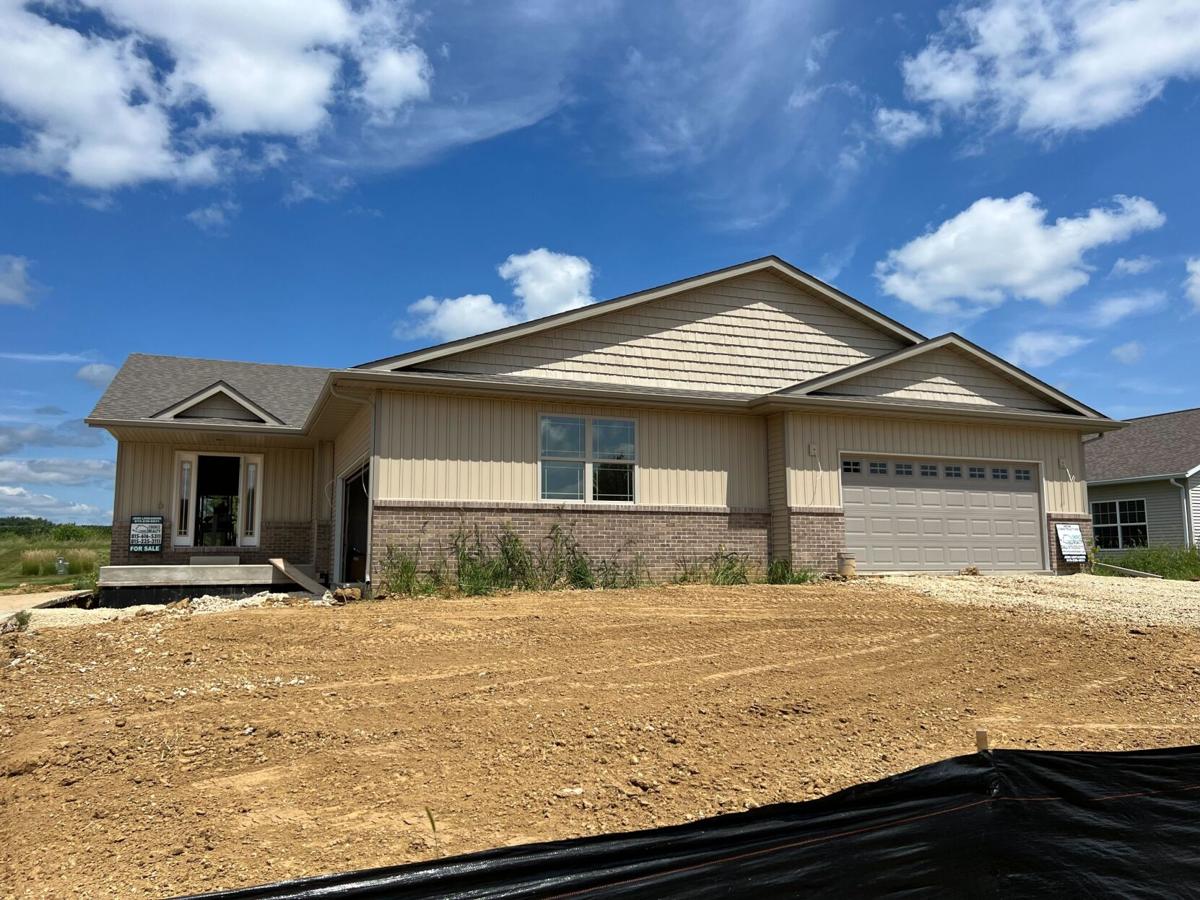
[70, 617]
[1136, 601]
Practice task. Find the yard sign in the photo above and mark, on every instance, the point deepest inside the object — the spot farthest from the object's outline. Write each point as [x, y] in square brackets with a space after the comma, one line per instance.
[145, 534]
[1070, 542]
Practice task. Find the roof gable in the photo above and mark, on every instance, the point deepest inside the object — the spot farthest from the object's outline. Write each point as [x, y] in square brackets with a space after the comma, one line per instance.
[945, 371]
[147, 387]
[219, 401]
[846, 305]
[745, 333]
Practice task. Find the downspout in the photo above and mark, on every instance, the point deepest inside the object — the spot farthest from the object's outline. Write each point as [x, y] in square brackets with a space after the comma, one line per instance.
[1187, 512]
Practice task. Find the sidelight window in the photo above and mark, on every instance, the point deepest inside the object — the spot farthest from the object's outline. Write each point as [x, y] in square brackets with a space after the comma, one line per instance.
[218, 500]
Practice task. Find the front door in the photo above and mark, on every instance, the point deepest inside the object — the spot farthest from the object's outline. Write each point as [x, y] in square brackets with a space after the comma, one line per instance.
[356, 507]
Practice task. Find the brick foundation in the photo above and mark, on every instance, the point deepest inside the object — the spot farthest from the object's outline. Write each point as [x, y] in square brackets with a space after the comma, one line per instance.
[1059, 565]
[817, 535]
[291, 540]
[663, 536]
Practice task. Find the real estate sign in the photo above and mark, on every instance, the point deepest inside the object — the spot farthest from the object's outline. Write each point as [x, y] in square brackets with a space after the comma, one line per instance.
[145, 534]
[1070, 542]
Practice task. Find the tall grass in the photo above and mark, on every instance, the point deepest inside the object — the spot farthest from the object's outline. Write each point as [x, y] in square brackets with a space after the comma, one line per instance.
[483, 566]
[1177, 563]
[721, 567]
[45, 562]
[781, 572]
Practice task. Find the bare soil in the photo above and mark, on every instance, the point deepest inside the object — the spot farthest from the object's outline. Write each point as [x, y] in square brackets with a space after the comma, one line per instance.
[169, 753]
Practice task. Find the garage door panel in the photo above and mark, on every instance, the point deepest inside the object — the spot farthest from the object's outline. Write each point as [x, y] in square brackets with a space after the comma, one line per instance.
[934, 521]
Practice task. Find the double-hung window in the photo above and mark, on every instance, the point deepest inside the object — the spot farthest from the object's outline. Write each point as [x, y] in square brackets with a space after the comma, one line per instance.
[1119, 524]
[588, 459]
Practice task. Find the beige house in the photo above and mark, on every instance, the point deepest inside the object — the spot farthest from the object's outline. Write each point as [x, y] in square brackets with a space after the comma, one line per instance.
[754, 409]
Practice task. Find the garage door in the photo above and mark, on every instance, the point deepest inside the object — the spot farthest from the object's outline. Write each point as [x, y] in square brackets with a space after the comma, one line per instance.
[907, 514]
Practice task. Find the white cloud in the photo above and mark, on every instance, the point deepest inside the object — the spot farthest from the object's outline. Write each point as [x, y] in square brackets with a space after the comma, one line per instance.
[1040, 348]
[1053, 66]
[56, 471]
[15, 287]
[47, 357]
[900, 127]
[19, 501]
[543, 282]
[1192, 284]
[72, 433]
[1114, 309]
[1000, 248]
[215, 217]
[1128, 353]
[455, 317]
[101, 106]
[98, 375]
[547, 282]
[1137, 265]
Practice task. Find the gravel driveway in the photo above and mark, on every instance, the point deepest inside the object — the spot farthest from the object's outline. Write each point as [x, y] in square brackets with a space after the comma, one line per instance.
[1137, 601]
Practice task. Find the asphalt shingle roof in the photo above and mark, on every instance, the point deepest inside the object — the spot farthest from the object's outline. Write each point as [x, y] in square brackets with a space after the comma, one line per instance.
[1167, 444]
[146, 385]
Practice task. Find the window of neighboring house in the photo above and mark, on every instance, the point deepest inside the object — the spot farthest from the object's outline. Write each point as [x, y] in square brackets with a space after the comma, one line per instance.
[218, 500]
[1119, 524]
[588, 458]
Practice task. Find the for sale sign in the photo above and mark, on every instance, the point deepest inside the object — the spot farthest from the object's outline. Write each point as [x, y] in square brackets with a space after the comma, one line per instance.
[145, 534]
[1070, 542]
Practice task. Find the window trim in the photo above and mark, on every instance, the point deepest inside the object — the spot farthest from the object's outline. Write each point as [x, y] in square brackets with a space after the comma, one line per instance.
[589, 459]
[1120, 525]
[187, 538]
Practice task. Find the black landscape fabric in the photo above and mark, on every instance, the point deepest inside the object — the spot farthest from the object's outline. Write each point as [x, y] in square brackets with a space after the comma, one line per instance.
[1009, 823]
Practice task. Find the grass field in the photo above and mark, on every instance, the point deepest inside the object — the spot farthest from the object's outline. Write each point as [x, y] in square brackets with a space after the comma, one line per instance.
[30, 558]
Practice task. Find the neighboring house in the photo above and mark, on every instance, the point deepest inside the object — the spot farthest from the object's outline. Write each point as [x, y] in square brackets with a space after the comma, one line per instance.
[754, 409]
[1144, 482]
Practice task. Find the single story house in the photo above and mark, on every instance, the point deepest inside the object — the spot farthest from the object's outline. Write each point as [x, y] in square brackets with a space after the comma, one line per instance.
[1144, 482]
[753, 408]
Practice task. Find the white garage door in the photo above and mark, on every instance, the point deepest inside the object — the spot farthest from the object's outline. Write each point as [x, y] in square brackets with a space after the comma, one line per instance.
[907, 514]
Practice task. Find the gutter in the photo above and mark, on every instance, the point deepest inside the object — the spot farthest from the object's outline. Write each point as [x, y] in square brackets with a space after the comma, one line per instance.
[1167, 477]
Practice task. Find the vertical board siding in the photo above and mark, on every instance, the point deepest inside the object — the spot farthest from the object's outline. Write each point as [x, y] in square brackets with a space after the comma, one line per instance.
[353, 443]
[945, 376]
[145, 480]
[1194, 508]
[747, 335]
[1164, 508]
[442, 447]
[816, 481]
[781, 540]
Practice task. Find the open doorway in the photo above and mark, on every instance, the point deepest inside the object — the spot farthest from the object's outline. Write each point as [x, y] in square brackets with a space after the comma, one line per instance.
[356, 509]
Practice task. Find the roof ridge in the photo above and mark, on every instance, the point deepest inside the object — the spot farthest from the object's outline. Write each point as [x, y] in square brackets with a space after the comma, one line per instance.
[236, 362]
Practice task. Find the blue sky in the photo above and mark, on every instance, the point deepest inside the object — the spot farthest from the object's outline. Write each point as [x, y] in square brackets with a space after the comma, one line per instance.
[326, 182]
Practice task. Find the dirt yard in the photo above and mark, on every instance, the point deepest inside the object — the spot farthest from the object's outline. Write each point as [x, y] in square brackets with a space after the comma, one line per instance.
[173, 753]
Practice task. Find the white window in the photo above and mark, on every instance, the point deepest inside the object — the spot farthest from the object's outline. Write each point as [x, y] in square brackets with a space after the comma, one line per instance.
[928, 470]
[954, 471]
[976, 472]
[218, 500]
[1022, 474]
[1000, 474]
[879, 468]
[588, 458]
[1119, 524]
[851, 466]
[904, 469]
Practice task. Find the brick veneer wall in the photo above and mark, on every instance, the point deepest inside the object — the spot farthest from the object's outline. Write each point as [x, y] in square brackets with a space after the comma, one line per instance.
[662, 535]
[290, 540]
[817, 535]
[1057, 563]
